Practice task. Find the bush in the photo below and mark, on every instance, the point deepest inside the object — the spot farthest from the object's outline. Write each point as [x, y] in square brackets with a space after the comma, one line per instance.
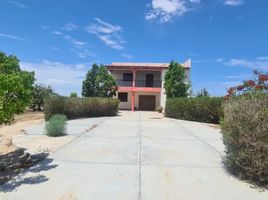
[54, 105]
[159, 109]
[39, 94]
[56, 126]
[81, 107]
[73, 94]
[201, 109]
[245, 135]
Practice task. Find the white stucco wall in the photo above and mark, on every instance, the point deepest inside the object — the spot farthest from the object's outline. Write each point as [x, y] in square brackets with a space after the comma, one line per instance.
[127, 105]
[163, 95]
[141, 75]
[118, 74]
[156, 94]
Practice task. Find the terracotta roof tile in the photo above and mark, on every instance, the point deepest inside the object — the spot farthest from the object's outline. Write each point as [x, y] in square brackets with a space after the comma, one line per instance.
[187, 64]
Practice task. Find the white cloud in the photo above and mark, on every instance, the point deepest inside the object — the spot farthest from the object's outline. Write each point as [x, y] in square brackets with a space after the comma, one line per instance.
[69, 27]
[83, 53]
[18, 4]
[111, 41]
[109, 34]
[78, 47]
[234, 2]
[220, 60]
[253, 64]
[128, 56]
[13, 37]
[165, 10]
[103, 27]
[262, 58]
[74, 42]
[64, 78]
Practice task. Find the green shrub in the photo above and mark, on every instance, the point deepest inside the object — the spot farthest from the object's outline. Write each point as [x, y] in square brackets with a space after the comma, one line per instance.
[159, 109]
[81, 107]
[245, 135]
[56, 126]
[73, 94]
[201, 109]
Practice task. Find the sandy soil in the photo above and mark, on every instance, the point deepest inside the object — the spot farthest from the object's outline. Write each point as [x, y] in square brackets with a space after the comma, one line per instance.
[16, 128]
[41, 143]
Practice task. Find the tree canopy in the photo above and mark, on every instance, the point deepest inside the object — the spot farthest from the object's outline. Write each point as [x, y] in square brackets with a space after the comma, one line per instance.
[98, 83]
[175, 84]
[39, 94]
[16, 88]
[202, 93]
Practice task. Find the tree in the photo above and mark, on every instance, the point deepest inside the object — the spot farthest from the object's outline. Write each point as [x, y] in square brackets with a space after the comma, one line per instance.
[202, 93]
[73, 94]
[98, 83]
[39, 94]
[89, 87]
[175, 84]
[16, 88]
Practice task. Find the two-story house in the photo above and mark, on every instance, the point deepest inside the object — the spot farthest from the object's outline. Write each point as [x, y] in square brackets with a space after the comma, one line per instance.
[141, 85]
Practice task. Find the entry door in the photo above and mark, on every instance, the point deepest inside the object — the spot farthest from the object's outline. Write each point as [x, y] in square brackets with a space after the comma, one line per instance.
[149, 82]
[147, 102]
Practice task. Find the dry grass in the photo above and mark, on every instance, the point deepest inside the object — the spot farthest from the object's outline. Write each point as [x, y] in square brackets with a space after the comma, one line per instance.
[17, 127]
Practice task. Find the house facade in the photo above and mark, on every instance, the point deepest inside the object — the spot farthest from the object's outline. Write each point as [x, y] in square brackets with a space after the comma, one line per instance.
[141, 85]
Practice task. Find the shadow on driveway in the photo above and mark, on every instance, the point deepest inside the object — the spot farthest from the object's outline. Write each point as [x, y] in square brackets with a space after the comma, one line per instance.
[31, 175]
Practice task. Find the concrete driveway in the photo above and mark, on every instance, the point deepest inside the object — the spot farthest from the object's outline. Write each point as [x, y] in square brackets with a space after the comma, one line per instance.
[138, 155]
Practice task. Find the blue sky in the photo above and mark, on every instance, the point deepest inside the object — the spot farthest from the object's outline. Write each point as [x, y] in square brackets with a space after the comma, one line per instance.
[59, 40]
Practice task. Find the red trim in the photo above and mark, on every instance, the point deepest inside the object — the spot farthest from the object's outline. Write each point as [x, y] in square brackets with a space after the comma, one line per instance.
[138, 89]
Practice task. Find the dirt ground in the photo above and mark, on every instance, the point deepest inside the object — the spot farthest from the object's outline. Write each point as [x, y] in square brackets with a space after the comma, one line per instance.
[17, 127]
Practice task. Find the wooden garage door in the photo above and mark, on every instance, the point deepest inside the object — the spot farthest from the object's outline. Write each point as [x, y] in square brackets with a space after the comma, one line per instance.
[147, 102]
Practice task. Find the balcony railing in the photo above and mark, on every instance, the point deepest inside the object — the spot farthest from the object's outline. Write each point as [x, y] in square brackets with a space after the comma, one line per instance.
[140, 83]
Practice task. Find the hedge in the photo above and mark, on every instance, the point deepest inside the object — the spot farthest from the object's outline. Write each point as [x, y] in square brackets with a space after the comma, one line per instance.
[245, 135]
[80, 107]
[200, 109]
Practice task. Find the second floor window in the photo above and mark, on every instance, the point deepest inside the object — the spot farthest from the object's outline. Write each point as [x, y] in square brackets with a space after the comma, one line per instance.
[127, 77]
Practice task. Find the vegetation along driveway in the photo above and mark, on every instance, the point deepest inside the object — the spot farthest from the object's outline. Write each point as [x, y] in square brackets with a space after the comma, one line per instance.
[138, 155]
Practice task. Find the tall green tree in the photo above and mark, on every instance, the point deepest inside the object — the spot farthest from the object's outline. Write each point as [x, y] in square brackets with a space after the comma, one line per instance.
[98, 83]
[40, 93]
[175, 78]
[89, 87]
[202, 93]
[16, 88]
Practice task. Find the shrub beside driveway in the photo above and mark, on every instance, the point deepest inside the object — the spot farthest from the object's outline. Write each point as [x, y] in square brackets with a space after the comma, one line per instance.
[245, 135]
[75, 108]
[200, 109]
[245, 129]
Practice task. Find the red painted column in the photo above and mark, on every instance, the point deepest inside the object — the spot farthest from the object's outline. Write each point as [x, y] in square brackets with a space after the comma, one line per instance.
[133, 101]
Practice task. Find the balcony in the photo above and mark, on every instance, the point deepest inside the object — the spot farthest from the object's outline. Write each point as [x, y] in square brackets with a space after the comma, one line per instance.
[140, 83]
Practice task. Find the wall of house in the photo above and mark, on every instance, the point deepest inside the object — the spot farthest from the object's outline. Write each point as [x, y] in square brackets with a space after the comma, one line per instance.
[157, 98]
[187, 75]
[127, 105]
[163, 95]
[118, 74]
[141, 75]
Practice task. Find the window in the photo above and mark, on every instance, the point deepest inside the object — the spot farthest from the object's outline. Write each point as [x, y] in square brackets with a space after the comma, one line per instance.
[127, 77]
[122, 96]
